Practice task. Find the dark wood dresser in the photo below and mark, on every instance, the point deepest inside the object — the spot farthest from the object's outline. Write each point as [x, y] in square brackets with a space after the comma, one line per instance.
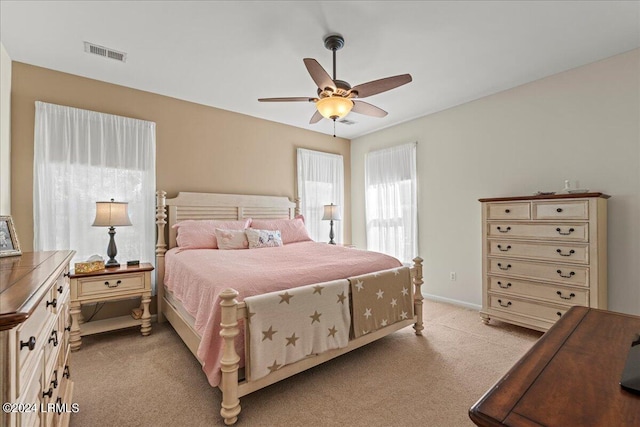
[35, 376]
[570, 377]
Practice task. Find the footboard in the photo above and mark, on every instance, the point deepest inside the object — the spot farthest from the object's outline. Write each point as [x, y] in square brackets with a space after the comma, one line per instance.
[232, 311]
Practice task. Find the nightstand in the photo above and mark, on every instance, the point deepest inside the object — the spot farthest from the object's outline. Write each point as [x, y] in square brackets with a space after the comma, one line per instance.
[110, 284]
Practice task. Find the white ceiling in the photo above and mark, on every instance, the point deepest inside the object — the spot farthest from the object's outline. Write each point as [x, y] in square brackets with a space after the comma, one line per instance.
[228, 54]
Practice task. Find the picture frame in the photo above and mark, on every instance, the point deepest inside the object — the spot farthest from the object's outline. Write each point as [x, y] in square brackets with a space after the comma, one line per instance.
[9, 244]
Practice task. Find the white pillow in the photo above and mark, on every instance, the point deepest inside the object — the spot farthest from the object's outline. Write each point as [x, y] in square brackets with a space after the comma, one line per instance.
[263, 238]
[231, 239]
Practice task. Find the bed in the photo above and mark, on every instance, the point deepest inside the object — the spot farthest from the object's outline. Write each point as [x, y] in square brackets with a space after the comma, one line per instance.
[220, 335]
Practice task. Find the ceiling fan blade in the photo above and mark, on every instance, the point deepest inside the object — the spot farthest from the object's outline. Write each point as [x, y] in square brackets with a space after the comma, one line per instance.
[367, 109]
[382, 85]
[319, 75]
[290, 99]
[315, 118]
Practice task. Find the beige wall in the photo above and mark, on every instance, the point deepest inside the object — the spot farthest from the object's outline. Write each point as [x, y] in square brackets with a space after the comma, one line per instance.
[199, 148]
[581, 125]
[5, 132]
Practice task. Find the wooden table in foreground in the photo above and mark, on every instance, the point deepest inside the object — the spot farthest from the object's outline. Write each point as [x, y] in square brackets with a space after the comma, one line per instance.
[570, 377]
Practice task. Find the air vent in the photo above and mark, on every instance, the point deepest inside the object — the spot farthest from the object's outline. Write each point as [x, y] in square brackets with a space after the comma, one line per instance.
[347, 122]
[105, 52]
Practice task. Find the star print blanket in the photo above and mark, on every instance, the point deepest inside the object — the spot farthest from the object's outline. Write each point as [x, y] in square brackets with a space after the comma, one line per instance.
[380, 299]
[288, 326]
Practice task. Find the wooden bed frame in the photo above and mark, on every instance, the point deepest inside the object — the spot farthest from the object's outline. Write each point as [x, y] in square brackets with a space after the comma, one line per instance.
[236, 207]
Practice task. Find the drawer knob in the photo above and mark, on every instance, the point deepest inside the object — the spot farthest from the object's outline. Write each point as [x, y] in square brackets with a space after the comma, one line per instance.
[504, 305]
[507, 286]
[571, 295]
[559, 230]
[504, 231]
[54, 303]
[564, 275]
[559, 210]
[54, 338]
[31, 344]
[60, 289]
[571, 252]
[504, 250]
[48, 393]
[507, 211]
[65, 372]
[109, 285]
[504, 268]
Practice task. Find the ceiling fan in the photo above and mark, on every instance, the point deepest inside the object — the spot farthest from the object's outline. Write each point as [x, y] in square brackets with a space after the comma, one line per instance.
[336, 98]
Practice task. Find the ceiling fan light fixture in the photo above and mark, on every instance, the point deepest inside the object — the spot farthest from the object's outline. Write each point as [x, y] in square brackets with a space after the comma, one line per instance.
[334, 107]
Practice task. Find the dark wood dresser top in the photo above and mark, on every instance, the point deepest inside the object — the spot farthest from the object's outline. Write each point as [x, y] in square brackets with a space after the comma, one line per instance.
[24, 280]
[570, 377]
[545, 196]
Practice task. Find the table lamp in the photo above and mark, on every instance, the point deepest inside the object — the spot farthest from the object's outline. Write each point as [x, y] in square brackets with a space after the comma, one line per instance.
[331, 213]
[112, 214]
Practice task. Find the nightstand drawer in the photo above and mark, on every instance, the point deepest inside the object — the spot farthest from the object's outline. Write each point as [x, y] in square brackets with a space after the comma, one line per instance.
[112, 284]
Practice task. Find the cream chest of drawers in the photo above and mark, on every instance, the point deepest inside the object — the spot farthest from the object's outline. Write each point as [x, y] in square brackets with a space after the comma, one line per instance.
[541, 255]
[35, 375]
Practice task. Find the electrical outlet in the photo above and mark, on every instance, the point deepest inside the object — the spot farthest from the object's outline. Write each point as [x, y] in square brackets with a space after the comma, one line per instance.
[452, 276]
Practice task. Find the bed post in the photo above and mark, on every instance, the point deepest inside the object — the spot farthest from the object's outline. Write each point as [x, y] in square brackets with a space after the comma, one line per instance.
[230, 361]
[417, 303]
[296, 211]
[161, 248]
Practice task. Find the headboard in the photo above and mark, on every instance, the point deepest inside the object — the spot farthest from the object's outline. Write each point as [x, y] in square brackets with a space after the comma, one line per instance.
[211, 206]
[225, 207]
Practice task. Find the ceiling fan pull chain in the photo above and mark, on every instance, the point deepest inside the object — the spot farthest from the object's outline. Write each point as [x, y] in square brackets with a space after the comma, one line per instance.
[334, 126]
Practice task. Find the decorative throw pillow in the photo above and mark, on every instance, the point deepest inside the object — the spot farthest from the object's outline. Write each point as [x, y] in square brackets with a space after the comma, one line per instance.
[201, 234]
[231, 239]
[291, 230]
[263, 238]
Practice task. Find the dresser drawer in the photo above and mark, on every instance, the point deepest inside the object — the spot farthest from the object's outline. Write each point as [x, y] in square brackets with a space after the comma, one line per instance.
[562, 252]
[553, 293]
[576, 232]
[508, 210]
[569, 274]
[527, 308]
[115, 284]
[32, 389]
[561, 210]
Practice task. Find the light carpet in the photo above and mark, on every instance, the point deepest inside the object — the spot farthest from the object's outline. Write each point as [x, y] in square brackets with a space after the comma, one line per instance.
[125, 379]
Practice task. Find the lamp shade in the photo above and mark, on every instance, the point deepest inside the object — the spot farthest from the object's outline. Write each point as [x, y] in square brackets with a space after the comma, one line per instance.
[334, 107]
[112, 214]
[331, 212]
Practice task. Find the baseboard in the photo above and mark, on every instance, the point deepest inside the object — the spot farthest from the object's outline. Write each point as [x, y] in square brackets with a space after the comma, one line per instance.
[452, 301]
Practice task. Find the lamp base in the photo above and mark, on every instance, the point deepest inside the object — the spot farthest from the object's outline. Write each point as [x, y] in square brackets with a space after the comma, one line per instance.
[111, 263]
[112, 251]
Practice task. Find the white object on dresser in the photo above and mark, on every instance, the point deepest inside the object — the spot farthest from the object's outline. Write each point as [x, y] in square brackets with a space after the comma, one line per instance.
[541, 255]
[35, 382]
[110, 284]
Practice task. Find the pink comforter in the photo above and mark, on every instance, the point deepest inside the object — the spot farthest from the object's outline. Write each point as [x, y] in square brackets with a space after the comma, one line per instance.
[196, 277]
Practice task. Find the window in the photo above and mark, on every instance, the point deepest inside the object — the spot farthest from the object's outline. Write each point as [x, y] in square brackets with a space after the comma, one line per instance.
[320, 182]
[391, 202]
[81, 157]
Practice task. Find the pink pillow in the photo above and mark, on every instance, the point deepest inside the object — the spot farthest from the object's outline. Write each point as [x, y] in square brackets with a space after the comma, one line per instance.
[201, 234]
[291, 230]
[231, 239]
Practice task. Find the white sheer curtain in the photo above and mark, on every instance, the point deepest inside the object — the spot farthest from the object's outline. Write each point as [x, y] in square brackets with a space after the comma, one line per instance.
[391, 202]
[320, 182]
[81, 157]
